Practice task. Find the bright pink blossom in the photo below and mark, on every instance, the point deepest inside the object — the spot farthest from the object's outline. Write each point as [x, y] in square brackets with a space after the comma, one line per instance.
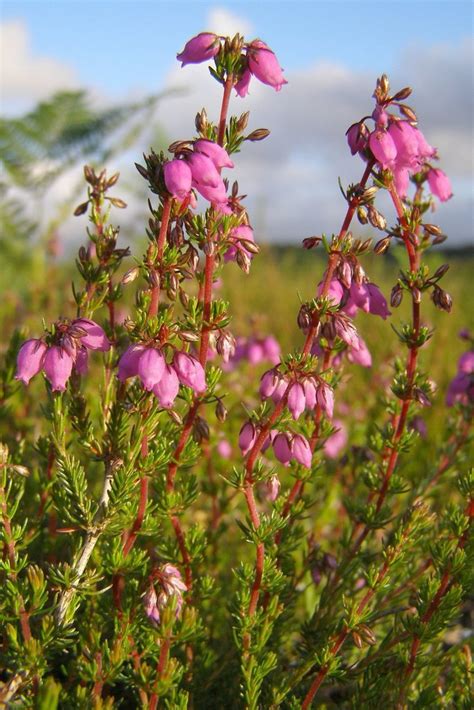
[282, 448]
[296, 400]
[178, 178]
[95, 337]
[151, 366]
[247, 437]
[301, 450]
[263, 64]
[128, 363]
[199, 49]
[204, 172]
[167, 388]
[271, 488]
[242, 86]
[215, 152]
[440, 184]
[190, 371]
[383, 147]
[57, 366]
[30, 359]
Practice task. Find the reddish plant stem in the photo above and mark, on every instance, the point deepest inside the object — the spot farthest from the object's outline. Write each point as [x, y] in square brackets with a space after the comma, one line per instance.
[252, 457]
[206, 312]
[132, 533]
[160, 670]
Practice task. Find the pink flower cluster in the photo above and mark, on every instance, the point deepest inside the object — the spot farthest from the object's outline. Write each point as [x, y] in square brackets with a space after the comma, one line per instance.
[70, 351]
[171, 585]
[364, 296]
[301, 395]
[199, 169]
[255, 350]
[400, 147]
[461, 388]
[149, 363]
[286, 446]
[259, 60]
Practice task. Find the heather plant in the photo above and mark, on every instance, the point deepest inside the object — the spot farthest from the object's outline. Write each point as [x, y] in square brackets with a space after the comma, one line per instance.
[193, 517]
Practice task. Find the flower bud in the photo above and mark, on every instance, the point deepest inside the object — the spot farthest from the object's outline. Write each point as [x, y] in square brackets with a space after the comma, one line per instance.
[130, 275]
[247, 437]
[396, 296]
[199, 49]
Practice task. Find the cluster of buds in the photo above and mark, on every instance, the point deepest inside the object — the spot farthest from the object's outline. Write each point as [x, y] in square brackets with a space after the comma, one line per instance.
[253, 59]
[287, 446]
[170, 584]
[396, 144]
[198, 165]
[159, 377]
[67, 350]
[304, 394]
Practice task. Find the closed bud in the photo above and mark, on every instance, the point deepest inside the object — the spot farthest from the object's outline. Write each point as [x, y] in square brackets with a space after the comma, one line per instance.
[402, 94]
[440, 239]
[345, 273]
[357, 639]
[154, 278]
[3, 454]
[310, 242]
[368, 194]
[225, 346]
[21, 470]
[440, 272]
[221, 411]
[384, 83]
[188, 336]
[249, 246]
[175, 417]
[171, 293]
[416, 295]
[192, 257]
[432, 229]
[396, 296]
[408, 112]
[208, 248]
[117, 202]
[442, 299]
[177, 236]
[258, 135]
[367, 634]
[376, 219]
[243, 261]
[143, 171]
[243, 122]
[201, 121]
[362, 215]
[81, 209]
[130, 276]
[184, 298]
[83, 255]
[112, 180]
[304, 317]
[328, 330]
[90, 175]
[421, 397]
[202, 428]
[382, 246]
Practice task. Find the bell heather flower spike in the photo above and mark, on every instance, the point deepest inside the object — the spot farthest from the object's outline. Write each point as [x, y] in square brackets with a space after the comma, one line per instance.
[57, 367]
[30, 359]
[199, 49]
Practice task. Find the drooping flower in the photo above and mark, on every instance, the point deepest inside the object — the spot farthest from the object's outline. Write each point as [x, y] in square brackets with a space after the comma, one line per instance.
[383, 147]
[282, 448]
[95, 337]
[167, 388]
[238, 236]
[296, 400]
[178, 178]
[301, 450]
[151, 366]
[242, 86]
[214, 152]
[57, 366]
[199, 49]
[190, 371]
[30, 359]
[440, 184]
[271, 488]
[247, 437]
[128, 363]
[263, 64]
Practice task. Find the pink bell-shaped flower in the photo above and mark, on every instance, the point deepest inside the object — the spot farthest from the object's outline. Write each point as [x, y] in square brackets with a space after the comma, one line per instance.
[199, 49]
[296, 400]
[95, 337]
[282, 448]
[30, 359]
[57, 366]
[383, 147]
[167, 388]
[242, 86]
[190, 371]
[151, 366]
[128, 363]
[247, 437]
[204, 172]
[215, 152]
[263, 64]
[178, 178]
[440, 184]
[301, 450]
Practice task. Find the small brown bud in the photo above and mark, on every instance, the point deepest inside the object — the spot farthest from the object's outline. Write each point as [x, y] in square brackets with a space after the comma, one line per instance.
[202, 427]
[243, 261]
[432, 229]
[304, 317]
[402, 94]
[376, 219]
[421, 397]
[258, 135]
[368, 194]
[357, 639]
[175, 417]
[201, 121]
[367, 634]
[130, 275]
[81, 209]
[90, 175]
[440, 239]
[310, 242]
[154, 278]
[416, 295]
[208, 248]
[143, 171]
[249, 246]
[396, 296]
[382, 246]
[83, 255]
[184, 298]
[440, 271]
[117, 202]
[362, 215]
[189, 337]
[408, 112]
[442, 299]
[243, 122]
[221, 411]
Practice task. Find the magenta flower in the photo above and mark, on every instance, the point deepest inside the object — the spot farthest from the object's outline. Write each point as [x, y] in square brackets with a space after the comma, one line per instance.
[178, 178]
[214, 152]
[128, 363]
[150, 603]
[357, 137]
[57, 366]
[95, 337]
[247, 437]
[242, 86]
[282, 448]
[309, 386]
[151, 366]
[30, 359]
[440, 184]
[336, 442]
[263, 64]
[301, 450]
[199, 49]
[271, 349]
[360, 355]
[224, 449]
[204, 172]
[377, 302]
[325, 399]
[268, 383]
[166, 390]
[335, 291]
[383, 147]
[279, 391]
[216, 195]
[81, 364]
[461, 388]
[296, 400]
[190, 371]
[243, 232]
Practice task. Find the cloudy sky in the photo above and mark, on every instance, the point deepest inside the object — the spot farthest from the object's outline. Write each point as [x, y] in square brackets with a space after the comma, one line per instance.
[332, 52]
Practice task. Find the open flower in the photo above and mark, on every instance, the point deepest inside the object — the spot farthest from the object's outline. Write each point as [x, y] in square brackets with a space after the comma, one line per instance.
[199, 49]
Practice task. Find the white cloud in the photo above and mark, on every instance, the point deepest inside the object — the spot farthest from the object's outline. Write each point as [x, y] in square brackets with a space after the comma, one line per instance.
[223, 22]
[26, 76]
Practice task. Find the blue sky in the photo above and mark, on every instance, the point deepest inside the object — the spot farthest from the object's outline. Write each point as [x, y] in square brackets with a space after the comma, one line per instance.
[332, 52]
[120, 43]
